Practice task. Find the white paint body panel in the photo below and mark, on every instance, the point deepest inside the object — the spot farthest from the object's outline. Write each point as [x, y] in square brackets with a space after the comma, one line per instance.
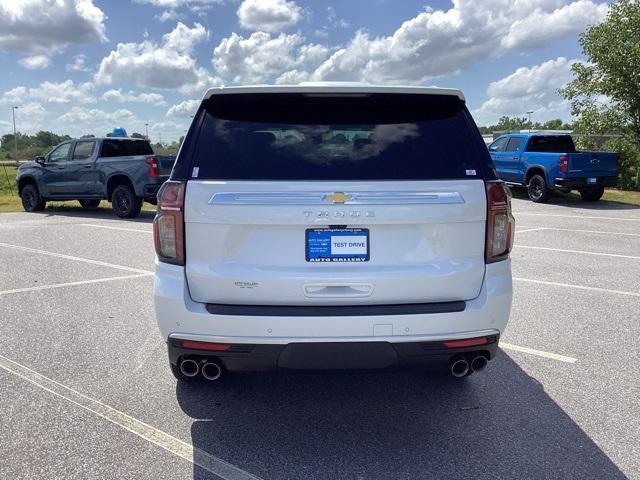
[254, 254]
[179, 316]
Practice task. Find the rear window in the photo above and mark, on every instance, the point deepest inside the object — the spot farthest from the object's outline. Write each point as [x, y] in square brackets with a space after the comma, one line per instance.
[125, 148]
[551, 143]
[329, 137]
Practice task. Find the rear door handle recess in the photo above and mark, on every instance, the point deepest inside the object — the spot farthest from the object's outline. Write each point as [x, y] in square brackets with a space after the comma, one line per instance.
[338, 290]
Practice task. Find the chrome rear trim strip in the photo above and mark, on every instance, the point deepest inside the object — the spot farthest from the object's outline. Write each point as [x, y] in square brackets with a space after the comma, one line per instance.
[324, 198]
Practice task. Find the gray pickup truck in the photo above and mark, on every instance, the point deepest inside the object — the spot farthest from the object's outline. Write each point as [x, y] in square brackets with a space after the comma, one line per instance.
[123, 171]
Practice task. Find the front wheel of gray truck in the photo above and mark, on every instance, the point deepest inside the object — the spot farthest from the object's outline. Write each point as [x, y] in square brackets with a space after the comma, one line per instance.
[125, 203]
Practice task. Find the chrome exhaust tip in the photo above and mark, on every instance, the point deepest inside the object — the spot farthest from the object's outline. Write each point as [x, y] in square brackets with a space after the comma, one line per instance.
[459, 367]
[211, 371]
[479, 363]
[189, 368]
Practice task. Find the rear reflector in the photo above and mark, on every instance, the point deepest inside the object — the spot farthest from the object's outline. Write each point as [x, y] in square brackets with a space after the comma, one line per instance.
[216, 347]
[469, 342]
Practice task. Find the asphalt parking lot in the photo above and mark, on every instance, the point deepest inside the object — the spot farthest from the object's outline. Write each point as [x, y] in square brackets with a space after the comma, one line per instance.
[87, 393]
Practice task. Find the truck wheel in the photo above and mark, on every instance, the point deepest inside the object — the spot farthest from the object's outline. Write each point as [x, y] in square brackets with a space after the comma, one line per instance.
[537, 189]
[125, 203]
[591, 194]
[31, 199]
[89, 203]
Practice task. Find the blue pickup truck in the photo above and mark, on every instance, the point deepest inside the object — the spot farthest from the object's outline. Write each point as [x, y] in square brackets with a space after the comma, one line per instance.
[544, 162]
[123, 171]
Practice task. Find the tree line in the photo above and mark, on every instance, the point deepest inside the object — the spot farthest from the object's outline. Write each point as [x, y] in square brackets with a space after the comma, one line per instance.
[31, 146]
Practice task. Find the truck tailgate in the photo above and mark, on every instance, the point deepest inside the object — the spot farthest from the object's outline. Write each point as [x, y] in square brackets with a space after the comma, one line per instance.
[593, 164]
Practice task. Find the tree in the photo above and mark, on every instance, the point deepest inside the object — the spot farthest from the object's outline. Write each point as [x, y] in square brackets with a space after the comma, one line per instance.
[522, 123]
[604, 91]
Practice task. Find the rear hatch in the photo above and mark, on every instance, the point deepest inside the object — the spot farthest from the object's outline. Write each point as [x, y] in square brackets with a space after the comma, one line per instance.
[297, 199]
[593, 164]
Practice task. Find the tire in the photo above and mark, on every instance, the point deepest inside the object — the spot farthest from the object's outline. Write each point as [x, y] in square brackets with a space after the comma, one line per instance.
[537, 189]
[31, 199]
[89, 203]
[125, 203]
[591, 194]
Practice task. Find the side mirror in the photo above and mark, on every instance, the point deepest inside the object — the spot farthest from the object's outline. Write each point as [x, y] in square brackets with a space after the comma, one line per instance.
[39, 160]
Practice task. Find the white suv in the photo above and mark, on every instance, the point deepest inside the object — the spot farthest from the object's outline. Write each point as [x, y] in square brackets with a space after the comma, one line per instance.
[329, 226]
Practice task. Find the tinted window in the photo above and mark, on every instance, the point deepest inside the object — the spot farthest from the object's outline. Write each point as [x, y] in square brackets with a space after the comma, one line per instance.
[499, 145]
[312, 137]
[125, 148]
[551, 143]
[514, 144]
[60, 154]
[83, 150]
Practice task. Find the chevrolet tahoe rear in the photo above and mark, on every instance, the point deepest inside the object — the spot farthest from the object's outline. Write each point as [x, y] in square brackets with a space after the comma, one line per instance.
[332, 227]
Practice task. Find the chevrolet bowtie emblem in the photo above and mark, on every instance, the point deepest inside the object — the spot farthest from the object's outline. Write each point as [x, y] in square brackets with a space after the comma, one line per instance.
[338, 197]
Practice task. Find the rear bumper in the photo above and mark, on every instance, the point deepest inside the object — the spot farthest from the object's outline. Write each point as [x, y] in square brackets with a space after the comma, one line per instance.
[580, 182]
[269, 337]
[333, 355]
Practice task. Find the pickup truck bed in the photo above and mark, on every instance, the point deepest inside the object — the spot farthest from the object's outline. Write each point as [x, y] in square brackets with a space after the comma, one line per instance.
[123, 171]
[546, 162]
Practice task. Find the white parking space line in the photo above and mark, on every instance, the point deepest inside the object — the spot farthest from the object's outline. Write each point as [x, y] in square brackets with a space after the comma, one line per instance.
[72, 284]
[531, 229]
[578, 217]
[582, 231]
[581, 252]
[579, 287]
[77, 259]
[124, 229]
[539, 353]
[151, 434]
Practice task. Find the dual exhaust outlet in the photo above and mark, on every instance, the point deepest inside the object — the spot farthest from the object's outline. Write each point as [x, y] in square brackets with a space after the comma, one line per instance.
[460, 366]
[209, 369]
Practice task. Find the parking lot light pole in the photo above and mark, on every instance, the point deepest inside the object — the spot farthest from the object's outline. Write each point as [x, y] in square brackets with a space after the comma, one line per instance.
[15, 138]
[146, 128]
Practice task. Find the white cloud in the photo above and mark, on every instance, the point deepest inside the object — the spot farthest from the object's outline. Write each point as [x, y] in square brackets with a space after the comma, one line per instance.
[117, 95]
[80, 120]
[44, 26]
[260, 57]
[183, 109]
[167, 15]
[443, 42]
[528, 88]
[169, 65]
[35, 62]
[78, 64]
[52, 92]
[540, 28]
[180, 3]
[268, 15]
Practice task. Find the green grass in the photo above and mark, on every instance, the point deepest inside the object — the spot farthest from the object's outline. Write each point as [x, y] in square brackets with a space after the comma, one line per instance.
[10, 202]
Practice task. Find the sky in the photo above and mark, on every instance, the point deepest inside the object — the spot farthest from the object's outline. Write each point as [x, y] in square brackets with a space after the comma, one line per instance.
[87, 66]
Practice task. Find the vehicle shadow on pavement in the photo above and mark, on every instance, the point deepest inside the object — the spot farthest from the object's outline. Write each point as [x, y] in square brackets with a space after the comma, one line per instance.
[98, 214]
[495, 424]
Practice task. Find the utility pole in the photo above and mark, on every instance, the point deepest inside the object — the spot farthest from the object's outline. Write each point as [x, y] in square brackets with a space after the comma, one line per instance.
[15, 138]
[529, 114]
[146, 127]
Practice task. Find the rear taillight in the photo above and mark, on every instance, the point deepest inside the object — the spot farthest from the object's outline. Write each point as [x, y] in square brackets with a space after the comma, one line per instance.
[154, 168]
[500, 222]
[564, 163]
[168, 226]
